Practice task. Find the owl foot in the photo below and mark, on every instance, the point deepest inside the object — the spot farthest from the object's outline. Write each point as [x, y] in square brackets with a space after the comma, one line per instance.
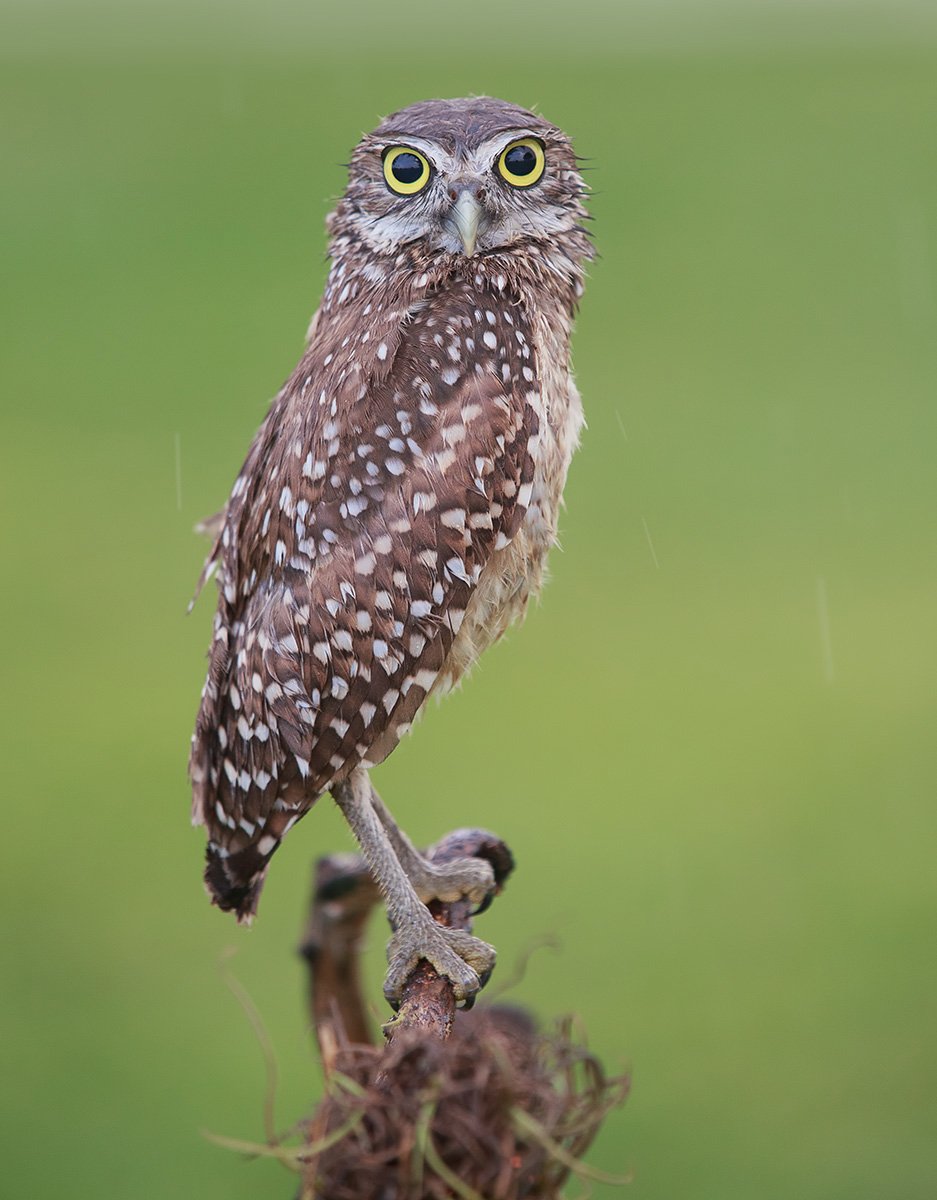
[466, 961]
[470, 878]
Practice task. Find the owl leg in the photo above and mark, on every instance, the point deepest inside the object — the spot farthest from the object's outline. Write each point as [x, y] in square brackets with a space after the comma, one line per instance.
[464, 960]
[473, 878]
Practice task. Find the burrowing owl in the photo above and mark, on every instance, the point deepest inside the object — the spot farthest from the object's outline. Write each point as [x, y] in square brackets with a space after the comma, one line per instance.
[396, 507]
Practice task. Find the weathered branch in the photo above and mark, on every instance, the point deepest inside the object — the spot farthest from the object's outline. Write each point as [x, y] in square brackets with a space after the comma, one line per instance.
[343, 896]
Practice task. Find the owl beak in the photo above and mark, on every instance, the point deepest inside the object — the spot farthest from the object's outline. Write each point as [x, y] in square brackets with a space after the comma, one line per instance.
[465, 215]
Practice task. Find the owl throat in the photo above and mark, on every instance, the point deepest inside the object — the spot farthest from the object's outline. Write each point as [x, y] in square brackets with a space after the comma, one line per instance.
[548, 274]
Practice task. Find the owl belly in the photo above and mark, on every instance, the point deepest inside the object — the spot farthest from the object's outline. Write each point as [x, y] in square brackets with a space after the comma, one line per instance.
[517, 572]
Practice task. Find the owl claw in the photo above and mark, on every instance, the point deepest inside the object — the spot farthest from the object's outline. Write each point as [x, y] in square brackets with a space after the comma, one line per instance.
[466, 961]
[471, 878]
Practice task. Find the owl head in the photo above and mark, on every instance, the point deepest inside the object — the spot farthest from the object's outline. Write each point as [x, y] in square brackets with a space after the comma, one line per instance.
[461, 177]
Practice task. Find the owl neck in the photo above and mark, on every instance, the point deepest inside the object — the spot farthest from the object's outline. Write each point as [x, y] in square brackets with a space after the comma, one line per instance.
[551, 271]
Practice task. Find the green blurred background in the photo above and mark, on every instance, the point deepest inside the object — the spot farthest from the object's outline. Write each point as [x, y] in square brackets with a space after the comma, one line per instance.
[712, 747]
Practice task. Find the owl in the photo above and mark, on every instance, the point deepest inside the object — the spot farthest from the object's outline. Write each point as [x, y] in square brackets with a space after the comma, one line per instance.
[395, 510]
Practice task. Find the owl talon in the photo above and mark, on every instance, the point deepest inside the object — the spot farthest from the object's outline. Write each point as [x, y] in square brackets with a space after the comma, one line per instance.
[469, 878]
[466, 961]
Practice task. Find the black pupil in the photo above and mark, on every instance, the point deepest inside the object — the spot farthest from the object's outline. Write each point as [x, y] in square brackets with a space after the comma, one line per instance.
[520, 160]
[406, 168]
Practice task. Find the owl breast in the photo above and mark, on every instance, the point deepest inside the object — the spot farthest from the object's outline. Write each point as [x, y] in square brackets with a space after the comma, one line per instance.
[517, 572]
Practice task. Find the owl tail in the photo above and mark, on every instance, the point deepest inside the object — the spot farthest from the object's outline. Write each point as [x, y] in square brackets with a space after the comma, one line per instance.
[235, 883]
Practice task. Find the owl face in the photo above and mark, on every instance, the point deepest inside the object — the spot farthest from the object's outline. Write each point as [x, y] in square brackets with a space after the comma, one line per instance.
[462, 177]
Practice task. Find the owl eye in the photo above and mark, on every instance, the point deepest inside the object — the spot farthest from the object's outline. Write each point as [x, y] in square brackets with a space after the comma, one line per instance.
[521, 164]
[406, 171]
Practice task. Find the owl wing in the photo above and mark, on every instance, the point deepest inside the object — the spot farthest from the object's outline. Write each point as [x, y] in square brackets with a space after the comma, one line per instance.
[356, 573]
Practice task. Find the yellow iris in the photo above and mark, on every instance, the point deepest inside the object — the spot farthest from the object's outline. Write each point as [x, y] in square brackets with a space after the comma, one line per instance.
[405, 170]
[522, 163]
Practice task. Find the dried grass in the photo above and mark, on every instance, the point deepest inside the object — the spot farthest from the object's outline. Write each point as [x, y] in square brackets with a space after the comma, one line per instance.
[495, 1112]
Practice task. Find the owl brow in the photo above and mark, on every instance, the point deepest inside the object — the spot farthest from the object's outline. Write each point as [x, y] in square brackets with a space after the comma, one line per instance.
[493, 146]
[433, 151]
